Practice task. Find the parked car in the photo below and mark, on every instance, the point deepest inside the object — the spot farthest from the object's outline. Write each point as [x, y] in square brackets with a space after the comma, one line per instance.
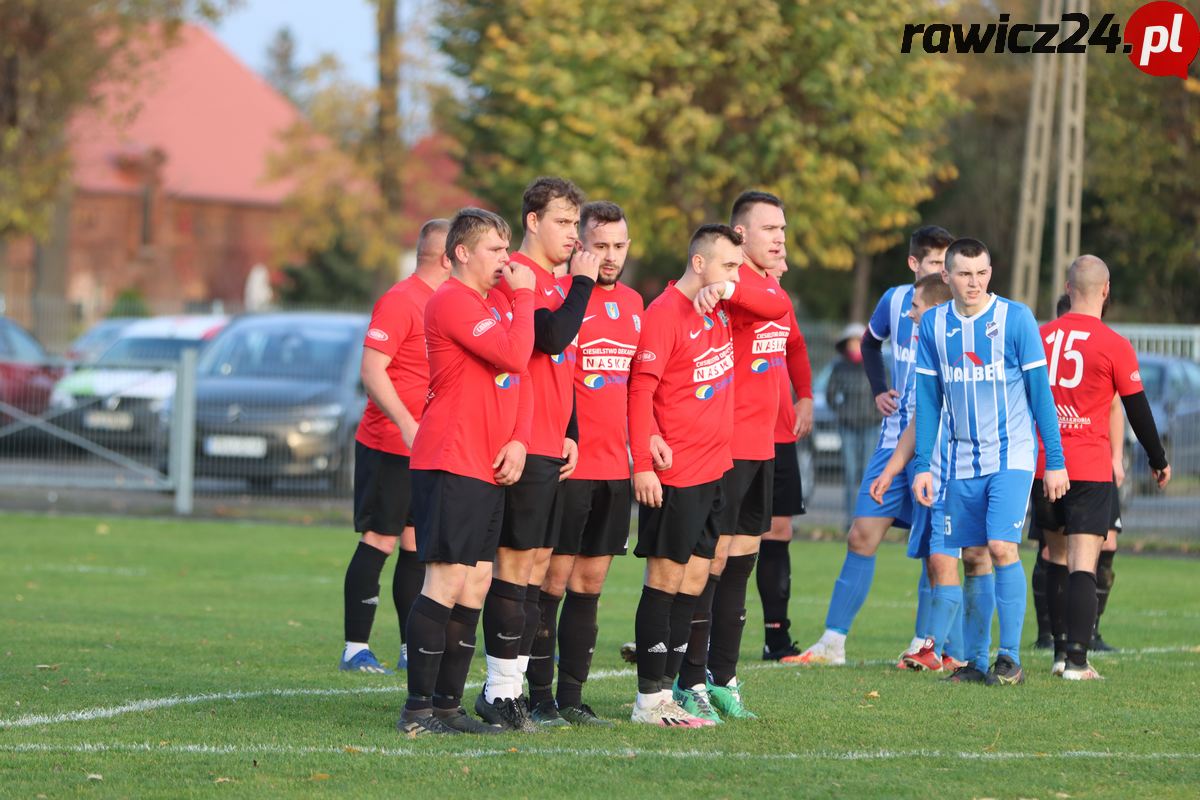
[278, 396]
[27, 374]
[116, 400]
[1173, 390]
[89, 345]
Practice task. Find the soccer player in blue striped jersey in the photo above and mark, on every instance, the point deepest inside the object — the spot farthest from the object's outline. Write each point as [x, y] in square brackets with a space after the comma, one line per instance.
[926, 249]
[982, 356]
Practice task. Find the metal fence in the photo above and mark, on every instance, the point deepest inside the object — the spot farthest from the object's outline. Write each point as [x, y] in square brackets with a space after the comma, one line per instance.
[207, 435]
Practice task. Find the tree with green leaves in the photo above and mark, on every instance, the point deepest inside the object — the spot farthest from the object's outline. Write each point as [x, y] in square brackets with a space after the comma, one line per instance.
[673, 110]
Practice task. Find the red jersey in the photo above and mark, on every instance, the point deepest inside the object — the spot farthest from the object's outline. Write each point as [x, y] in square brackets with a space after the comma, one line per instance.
[681, 379]
[1088, 363]
[607, 341]
[398, 330]
[759, 347]
[478, 398]
[551, 375]
[800, 374]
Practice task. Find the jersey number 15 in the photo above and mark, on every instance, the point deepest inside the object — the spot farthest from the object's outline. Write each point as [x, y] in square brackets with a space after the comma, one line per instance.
[1066, 352]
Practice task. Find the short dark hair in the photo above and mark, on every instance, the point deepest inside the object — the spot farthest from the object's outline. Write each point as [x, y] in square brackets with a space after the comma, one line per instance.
[967, 248]
[709, 233]
[468, 227]
[539, 194]
[430, 228]
[599, 212]
[928, 238]
[935, 290]
[1063, 305]
[745, 200]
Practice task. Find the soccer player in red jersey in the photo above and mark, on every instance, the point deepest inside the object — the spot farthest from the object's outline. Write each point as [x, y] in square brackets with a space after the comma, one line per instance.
[1088, 362]
[471, 443]
[759, 348]
[395, 375]
[773, 574]
[596, 498]
[532, 510]
[680, 433]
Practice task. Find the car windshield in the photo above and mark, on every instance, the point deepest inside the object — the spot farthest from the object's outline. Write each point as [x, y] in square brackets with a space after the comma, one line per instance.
[146, 350]
[1154, 379]
[284, 351]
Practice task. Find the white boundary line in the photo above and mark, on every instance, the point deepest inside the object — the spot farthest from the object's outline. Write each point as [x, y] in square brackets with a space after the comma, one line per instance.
[151, 704]
[629, 752]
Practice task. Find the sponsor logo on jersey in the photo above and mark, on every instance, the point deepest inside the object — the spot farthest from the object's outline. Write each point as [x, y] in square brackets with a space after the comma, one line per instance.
[704, 392]
[992, 329]
[723, 317]
[759, 365]
[593, 381]
[1136, 376]
[504, 380]
[637, 323]
[708, 323]
[483, 326]
[713, 363]
[906, 355]
[496, 314]
[607, 355]
[558, 359]
[769, 338]
[645, 355]
[613, 310]
[377, 335]
[973, 370]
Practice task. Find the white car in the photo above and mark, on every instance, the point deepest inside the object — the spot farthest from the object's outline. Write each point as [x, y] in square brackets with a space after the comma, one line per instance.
[116, 400]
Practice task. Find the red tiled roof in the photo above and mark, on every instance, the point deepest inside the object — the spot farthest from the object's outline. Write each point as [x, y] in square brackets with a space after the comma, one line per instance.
[212, 117]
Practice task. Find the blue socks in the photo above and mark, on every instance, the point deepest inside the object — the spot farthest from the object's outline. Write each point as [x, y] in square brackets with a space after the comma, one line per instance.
[924, 602]
[979, 601]
[945, 605]
[850, 592]
[955, 647]
[1010, 607]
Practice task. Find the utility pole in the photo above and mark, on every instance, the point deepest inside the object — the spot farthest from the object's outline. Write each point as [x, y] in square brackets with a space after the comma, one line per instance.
[1040, 135]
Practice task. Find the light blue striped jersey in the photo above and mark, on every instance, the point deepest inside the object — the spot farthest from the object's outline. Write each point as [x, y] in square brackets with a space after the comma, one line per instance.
[891, 320]
[980, 363]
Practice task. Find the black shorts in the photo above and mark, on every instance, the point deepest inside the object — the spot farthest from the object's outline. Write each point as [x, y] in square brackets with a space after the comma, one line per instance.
[382, 491]
[533, 506]
[457, 518]
[595, 518]
[1114, 523]
[683, 526]
[747, 488]
[787, 498]
[1085, 508]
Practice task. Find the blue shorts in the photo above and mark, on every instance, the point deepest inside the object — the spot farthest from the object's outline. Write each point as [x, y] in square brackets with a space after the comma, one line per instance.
[927, 536]
[987, 509]
[897, 502]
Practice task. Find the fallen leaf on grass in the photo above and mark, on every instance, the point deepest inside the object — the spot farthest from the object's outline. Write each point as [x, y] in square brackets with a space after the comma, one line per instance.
[466, 770]
[319, 776]
[512, 750]
[95, 776]
[102, 529]
[293, 623]
[1062, 795]
[350, 749]
[223, 780]
[51, 667]
[872, 695]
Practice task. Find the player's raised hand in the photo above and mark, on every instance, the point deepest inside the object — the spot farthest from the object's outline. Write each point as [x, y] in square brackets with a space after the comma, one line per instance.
[886, 402]
[1162, 476]
[509, 463]
[880, 485]
[519, 276]
[571, 454]
[923, 488]
[1056, 484]
[804, 418]
[660, 451]
[647, 488]
[708, 297]
[585, 263]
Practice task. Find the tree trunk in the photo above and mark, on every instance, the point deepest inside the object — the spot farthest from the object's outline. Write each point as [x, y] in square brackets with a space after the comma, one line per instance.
[862, 286]
[387, 123]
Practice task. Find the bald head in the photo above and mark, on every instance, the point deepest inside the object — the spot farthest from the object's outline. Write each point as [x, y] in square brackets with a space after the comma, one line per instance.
[431, 241]
[1087, 276]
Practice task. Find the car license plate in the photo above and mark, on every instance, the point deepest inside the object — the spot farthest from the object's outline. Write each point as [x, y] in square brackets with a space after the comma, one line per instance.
[827, 442]
[236, 446]
[108, 420]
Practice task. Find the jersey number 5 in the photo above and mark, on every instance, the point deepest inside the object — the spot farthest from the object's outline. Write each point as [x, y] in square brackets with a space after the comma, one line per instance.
[1066, 352]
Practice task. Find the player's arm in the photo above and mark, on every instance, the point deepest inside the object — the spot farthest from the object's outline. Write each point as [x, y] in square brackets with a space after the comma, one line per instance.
[379, 387]
[929, 405]
[905, 448]
[645, 373]
[483, 336]
[757, 302]
[1127, 377]
[800, 373]
[878, 331]
[554, 330]
[1116, 439]
[1031, 355]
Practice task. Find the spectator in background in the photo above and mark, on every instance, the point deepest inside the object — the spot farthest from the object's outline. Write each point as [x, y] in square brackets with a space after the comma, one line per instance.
[850, 399]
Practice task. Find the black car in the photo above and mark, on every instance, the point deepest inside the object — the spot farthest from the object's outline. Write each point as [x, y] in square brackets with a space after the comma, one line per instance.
[279, 396]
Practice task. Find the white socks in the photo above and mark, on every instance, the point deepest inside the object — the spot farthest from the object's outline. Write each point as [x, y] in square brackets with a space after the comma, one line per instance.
[833, 640]
[353, 649]
[504, 679]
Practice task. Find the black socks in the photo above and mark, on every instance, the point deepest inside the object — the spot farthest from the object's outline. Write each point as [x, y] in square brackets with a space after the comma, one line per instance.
[774, 579]
[1081, 615]
[729, 618]
[427, 643]
[406, 585]
[576, 643]
[541, 657]
[456, 661]
[652, 631]
[361, 592]
[693, 669]
[503, 619]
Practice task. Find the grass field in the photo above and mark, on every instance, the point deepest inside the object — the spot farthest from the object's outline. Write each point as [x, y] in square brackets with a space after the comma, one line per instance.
[148, 658]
